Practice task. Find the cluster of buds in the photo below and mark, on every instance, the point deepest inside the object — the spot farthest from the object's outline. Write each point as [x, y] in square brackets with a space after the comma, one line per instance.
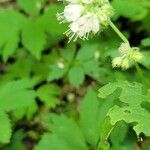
[129, 56]
[85, 17]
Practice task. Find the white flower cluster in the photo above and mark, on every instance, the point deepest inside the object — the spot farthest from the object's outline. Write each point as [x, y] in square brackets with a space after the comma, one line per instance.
[85, 17]
[129, 56]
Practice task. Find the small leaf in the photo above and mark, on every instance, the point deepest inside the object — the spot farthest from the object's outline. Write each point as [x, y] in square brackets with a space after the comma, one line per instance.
[76, 76]
[57, 71]
[48, 94]
[87, 52]
[9, 39]
[16, 94]
[146, 42]
[34, 38]
[5, 128]
[31, 6]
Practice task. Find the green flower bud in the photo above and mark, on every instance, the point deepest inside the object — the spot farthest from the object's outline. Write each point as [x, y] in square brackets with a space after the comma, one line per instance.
[117, 62]
[125, 64]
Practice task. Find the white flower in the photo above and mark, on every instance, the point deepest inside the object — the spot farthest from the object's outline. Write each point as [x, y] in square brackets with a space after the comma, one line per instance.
[72, 12]
[85, 17]
[85, 25]
[87, 1]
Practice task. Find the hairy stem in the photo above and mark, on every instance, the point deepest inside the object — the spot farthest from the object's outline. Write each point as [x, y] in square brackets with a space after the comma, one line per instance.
[118, 32]
[124, 39]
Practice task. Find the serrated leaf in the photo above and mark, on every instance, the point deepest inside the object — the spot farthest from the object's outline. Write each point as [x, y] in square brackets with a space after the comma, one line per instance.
[49, 21]
[48, 94]
[76, 75]
[34, 38]
[87, 52]
[31, 6]
[108, 89]
[16, 94]
[9, 39]
[5, 127]
[132, 111]
[57, 71]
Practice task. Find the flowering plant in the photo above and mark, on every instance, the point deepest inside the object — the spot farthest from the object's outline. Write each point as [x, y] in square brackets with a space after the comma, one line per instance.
[85, 17]
[49, 97]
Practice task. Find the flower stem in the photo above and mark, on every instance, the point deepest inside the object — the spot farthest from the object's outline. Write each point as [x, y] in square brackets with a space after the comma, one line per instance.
[118, 32]
[139, 71]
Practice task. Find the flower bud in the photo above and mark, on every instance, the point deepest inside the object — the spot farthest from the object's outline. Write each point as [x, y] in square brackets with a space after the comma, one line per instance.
[137, 56]
[124, 48]
[60, 65]
[117, 62]
[125, 64]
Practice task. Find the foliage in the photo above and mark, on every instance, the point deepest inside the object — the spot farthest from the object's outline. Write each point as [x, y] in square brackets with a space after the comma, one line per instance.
[48, 87]
[132, 111]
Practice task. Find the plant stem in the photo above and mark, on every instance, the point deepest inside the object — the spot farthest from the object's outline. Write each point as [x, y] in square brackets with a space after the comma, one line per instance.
[139, 71]
[118, 32]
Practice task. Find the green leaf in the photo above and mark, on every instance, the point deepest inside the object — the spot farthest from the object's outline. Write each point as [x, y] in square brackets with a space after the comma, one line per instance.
[31, 6]
[146, 61]
[87, 52]
[132, 111]
[104, 135]
[89, 117]
[122, 138]
[146, 42]
[5, 127]
[76, 75]
[91, 68]
[57, 70]
[107, 90]
[48, 94]
[34, 38]
[65, 132]
[16, 94]
[17, 141]
[9, 39]
[49, 20]
[136, 9]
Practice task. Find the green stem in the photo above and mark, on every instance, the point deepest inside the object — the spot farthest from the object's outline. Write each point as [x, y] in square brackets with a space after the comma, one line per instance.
[118, 32]
[139, 71]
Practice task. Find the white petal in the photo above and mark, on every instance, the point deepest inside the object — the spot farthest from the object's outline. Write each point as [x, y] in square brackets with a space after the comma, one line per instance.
[72, 12]
[87, 1]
